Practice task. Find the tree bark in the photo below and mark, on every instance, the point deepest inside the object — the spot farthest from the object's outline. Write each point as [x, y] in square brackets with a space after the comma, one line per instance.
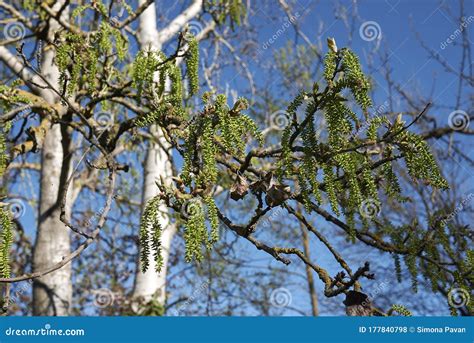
[158, 164]
[151, 284]
[52, 293]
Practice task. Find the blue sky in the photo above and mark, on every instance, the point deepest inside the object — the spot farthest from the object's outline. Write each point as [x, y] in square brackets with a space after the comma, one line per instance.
[396, 23]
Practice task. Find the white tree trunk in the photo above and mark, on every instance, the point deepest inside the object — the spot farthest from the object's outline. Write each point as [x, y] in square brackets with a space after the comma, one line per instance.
[151, 284]
[158, 164]
[52, 293]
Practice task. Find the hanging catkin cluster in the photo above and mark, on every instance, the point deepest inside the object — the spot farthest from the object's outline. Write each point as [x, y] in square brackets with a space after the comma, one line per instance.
[8, 98]
[338, 164]
[6, 234]
[217, 123]
[150, 235]
[80, 57]
[217, 130]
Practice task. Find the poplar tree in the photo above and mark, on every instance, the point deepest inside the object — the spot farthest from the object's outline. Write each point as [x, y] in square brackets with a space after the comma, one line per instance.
[339, 177]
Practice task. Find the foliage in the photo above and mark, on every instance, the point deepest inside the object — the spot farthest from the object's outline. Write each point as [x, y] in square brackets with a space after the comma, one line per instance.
[344, 149]
[402, 310]
[342, 169]
[6, 239]
[150, 235]
[6, 225]
[192, 64]
[222, 10]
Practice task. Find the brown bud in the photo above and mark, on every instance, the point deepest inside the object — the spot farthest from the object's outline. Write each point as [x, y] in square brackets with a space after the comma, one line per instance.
[239, 189]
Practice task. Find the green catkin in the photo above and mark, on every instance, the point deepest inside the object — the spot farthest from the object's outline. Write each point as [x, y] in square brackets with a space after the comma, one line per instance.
[6, 240]
[357, 82]
[402, 310]
[3, 154]
[338, 124]
[144, 66]
[213, 219]
[309, 171]
[330, 65]
[369, 185]
[305, 193]
[410, 262]
[150, 233]
[347, 174]
[216, 124]
[6, 225]
[176, 85]
[209, 151]
[284, 165]
[192, 65]
[398, 267]
[195, 232]
[331, 188]
[420, 162]
[349, 165]
[373, 126]
[77, 56]
[350, 220]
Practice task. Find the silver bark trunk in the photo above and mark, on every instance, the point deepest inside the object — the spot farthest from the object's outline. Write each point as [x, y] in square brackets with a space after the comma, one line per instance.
[151, 284]
[157, 164]
[52, 293]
